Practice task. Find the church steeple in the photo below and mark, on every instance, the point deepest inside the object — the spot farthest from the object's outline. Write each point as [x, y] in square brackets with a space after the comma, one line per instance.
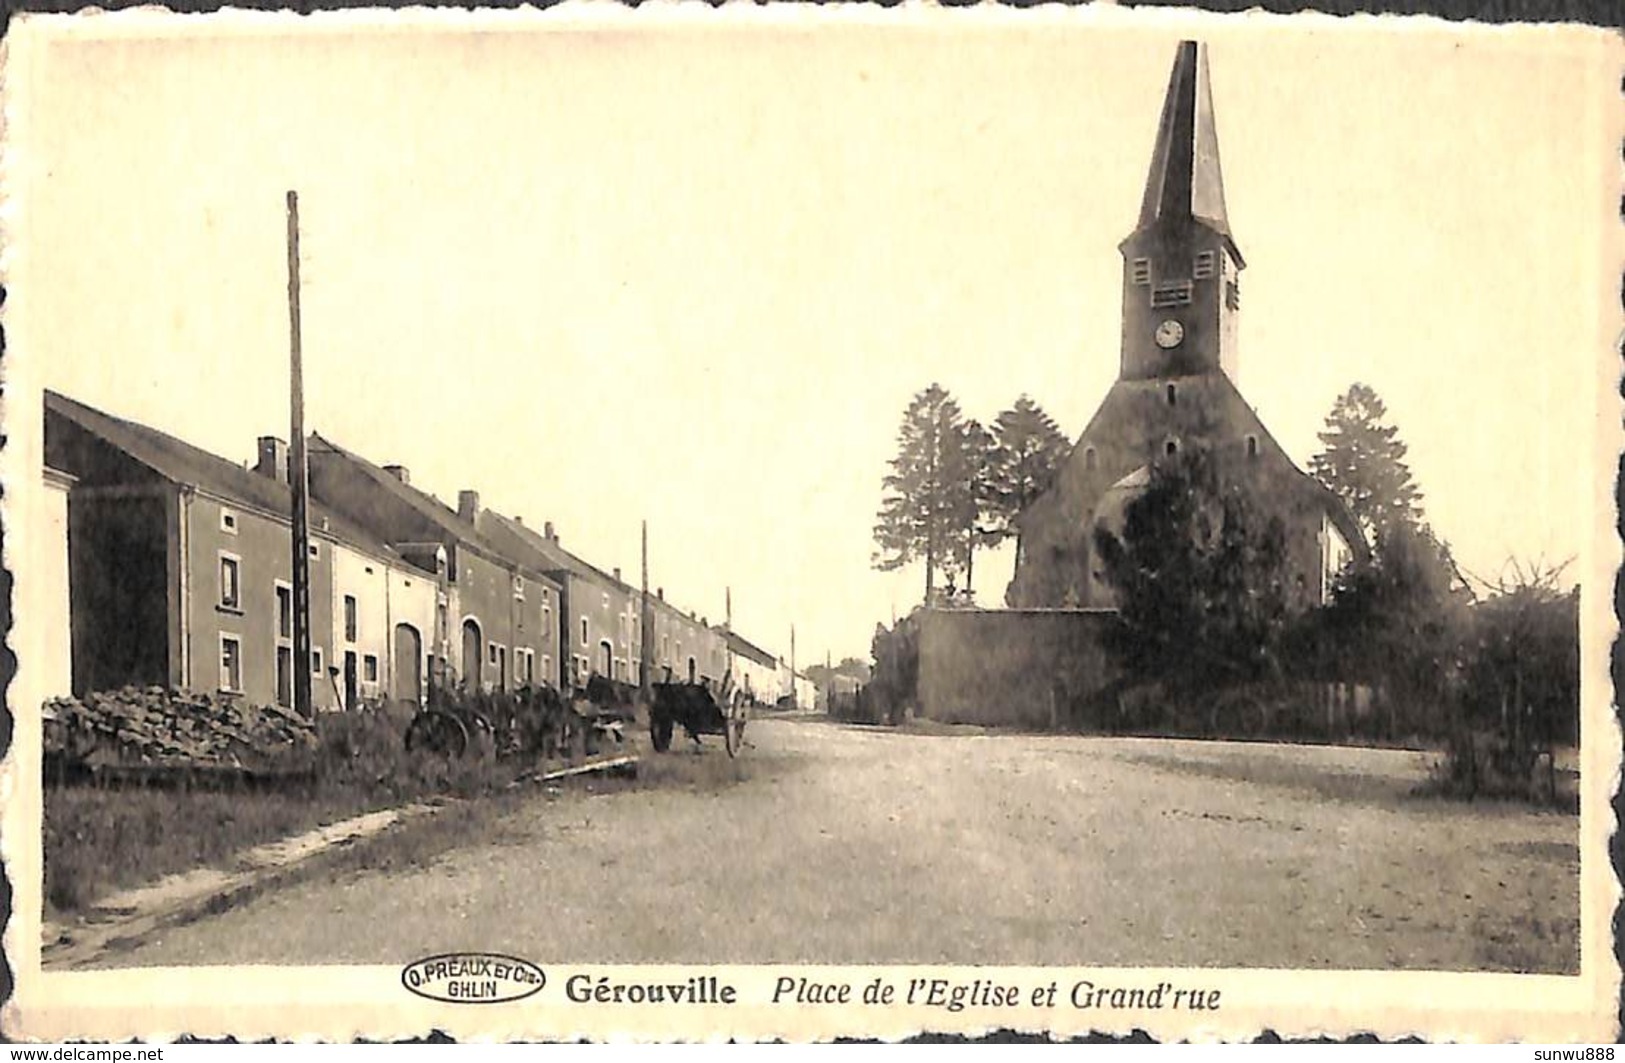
[1180, 265]
[1185, 181]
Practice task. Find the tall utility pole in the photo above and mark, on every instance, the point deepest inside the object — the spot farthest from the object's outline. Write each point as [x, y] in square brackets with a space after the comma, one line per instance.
[646, 642]
[298, 479]
[795, 698]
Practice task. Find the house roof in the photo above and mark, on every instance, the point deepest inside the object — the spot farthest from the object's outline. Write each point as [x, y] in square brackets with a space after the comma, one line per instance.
[435, 511]
[557, 558]
[737, 643]
[550, 552]
[181, 462]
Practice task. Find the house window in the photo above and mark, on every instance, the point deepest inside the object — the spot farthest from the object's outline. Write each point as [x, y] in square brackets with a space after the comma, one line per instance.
[231, 663]
[1173, 396]
[1171, 447]
[1252, 446]
[1204, 265]
[369, 668]
[492, 651]
[1089, 459]
[583, 631]
[231, 588]
[349, 618]
[1232, 295]
[1140, 271]
[316, 550]
[228, 522]
[284, 611]
[519, 588]
[1177, 294]
[316, 661]
[284, 676]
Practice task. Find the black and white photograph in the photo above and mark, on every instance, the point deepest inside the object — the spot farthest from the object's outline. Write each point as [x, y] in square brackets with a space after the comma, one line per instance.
[798, 523]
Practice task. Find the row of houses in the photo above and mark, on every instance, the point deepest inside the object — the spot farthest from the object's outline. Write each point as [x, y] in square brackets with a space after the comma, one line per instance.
[174, 569]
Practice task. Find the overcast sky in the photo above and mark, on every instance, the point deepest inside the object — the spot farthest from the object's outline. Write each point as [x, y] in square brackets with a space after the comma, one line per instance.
[694, 275]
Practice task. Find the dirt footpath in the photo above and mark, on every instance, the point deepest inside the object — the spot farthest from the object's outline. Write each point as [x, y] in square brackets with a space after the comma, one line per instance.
[848, 845]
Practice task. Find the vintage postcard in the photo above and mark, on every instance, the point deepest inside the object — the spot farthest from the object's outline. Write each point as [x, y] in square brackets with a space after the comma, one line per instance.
[793, 523]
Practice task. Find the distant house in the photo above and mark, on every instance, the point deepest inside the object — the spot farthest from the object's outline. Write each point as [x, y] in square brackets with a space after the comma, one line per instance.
[688, 645]
[755, 671]
[180, 570]
[600, 627]
[801, 691]
[602, 615]
[494, 622]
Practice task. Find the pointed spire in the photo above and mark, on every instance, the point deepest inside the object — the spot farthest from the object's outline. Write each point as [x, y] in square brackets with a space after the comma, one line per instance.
[1184, 181]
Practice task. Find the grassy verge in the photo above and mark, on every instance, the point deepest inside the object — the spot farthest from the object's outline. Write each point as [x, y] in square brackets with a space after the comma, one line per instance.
[98, 840]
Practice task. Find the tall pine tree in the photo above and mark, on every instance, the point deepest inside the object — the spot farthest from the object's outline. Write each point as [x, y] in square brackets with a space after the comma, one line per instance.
[1363, 462]
[968, 484]
[1028, 452]
[921, 510]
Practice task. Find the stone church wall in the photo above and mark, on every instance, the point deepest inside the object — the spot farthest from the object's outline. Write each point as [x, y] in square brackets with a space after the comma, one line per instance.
[1011, 667]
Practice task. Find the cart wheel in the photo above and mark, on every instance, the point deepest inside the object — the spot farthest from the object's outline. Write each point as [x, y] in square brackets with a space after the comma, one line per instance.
[437, 732]
[660, 731]
[733, 730]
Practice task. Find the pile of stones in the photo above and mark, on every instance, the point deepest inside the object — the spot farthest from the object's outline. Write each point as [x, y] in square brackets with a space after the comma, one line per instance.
[156, 727]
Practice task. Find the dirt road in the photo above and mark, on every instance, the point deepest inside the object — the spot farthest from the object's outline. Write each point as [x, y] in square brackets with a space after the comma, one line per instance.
[845, 845]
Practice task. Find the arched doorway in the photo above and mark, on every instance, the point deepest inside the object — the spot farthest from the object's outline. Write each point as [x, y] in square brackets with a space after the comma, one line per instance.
[408, 681]
[473, 648]
[693, 670]
[606, 659]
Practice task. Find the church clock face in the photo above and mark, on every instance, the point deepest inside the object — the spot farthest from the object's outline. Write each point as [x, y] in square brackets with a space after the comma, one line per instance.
[1169, 333]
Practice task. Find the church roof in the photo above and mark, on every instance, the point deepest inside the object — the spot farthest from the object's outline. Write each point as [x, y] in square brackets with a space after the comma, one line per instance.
[1139, 478]
[1184, 182]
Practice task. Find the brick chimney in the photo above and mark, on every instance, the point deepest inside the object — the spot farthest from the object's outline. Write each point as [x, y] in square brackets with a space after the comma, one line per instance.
[660, 592]
[468, 505]
[618, 574]
[273, 460]
[399, 472]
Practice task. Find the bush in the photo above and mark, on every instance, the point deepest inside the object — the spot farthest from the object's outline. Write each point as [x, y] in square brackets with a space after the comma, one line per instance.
[893, 687]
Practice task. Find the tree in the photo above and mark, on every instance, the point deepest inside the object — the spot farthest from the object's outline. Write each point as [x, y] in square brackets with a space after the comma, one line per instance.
[1363, 462]
[1028, 451]
[1523, 674]
[923, 508]
[1398, 623]
[969, 487]
[1200, 579]
[849, 666]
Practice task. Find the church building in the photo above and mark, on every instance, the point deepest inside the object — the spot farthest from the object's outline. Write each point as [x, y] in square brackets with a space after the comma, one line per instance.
[1176, 386]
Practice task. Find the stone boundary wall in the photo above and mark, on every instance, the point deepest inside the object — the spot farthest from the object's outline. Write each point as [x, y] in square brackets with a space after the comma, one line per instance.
[1026, 668]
